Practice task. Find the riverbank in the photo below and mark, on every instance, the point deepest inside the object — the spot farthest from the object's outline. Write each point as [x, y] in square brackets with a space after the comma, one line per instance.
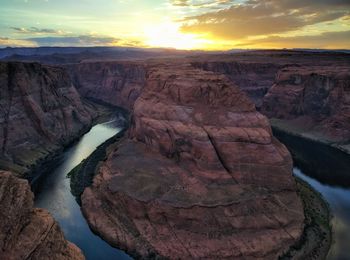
[317, 236]
[54, 194]
[82, 175]
[52, 159]
[319, 159]
[326, 169]
[311, 136]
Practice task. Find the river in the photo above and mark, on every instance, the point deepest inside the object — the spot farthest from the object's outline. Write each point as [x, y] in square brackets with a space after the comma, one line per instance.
[338, 199]
[54, 195]
[327, 170]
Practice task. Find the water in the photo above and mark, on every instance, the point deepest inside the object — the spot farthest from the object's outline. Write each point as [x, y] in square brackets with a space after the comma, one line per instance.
[338, 199]
[327, 170]
[55, 196]
[331, 180]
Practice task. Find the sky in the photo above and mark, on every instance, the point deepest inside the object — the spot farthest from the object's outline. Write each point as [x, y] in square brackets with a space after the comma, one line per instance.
[181, 24]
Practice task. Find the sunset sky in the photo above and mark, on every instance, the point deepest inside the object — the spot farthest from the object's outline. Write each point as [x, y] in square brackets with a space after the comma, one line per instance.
[182, 24]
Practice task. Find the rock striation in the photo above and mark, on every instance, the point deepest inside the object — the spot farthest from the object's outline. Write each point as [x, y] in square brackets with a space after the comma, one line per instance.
[114, 83]
[40, 112]
[27, 232]
[303, 93]
[251, 77]
[199, 176]
[315, 100]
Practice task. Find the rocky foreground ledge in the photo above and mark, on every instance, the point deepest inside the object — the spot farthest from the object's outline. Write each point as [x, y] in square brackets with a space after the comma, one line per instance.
[199, 176]
[27, 232]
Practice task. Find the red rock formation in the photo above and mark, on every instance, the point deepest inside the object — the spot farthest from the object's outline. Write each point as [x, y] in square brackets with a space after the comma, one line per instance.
[253, 78]
[40, 112]
[27, 232]
[200, 176]
[254, 71]
[115, 83]
[314, 99]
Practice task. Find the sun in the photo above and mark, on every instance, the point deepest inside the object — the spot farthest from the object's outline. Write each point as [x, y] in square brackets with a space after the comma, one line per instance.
[168, 35]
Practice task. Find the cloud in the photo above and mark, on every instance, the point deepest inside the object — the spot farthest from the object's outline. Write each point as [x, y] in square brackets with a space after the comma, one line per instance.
[180, 2]
[327, 40]
[82, 40]
[5, 42]
[199, 3]
[254, 18]
[70, 41]
[35, 30]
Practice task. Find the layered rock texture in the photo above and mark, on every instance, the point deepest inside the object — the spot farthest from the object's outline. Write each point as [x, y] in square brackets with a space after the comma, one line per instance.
[315, 101]
[115, 83]
[303, 93]
[27, 232]
[253, 78]
[40, 112]
[199, 176]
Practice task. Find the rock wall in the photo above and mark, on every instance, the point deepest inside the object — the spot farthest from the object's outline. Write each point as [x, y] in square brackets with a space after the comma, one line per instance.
[40, 112]
[302, 92]
[200, 175]
[27, 232]
[253, 78]
[115, 83]
[316, 99]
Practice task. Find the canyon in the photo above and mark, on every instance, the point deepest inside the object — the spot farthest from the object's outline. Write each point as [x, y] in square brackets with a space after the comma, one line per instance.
[312, 101]
[114, 83]
[41, 112]
[199, 172]
[306, 94]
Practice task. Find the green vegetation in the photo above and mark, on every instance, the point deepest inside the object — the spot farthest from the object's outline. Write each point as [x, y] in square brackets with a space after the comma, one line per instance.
[82, 175]
[317, 236]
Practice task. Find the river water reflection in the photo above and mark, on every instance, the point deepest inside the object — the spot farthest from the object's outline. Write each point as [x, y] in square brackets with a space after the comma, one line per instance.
[54, 195]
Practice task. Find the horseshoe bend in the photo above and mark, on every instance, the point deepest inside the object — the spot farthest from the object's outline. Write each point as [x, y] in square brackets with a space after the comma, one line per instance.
[175, 158]
[174, 129]
[198, 175]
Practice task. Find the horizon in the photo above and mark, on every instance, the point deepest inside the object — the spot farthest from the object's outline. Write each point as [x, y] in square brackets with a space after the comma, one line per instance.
[201, 25]
[175, 49]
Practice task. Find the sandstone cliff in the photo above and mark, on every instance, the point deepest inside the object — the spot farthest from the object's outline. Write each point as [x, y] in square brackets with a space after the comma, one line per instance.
[304, 93]
[27, 232]
[253, 78]
[40, 112]
[115, 83]
[313, 100]
[200, 175]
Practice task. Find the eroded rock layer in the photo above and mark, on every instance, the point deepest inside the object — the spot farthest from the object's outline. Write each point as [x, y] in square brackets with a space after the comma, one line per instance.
[40, 112]
[312, 99]
[253, 78]
[200, 175]
[115, 83]
[27, 232]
